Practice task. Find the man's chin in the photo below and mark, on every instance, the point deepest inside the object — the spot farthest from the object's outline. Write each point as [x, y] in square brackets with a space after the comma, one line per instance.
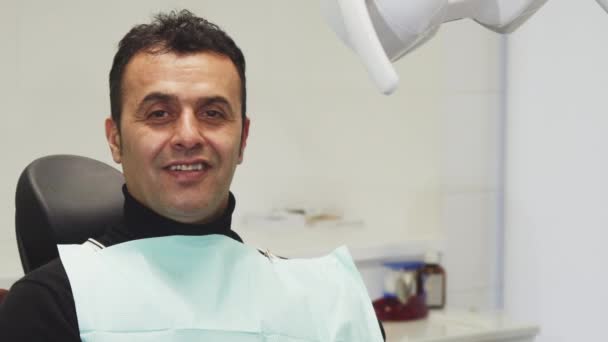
[191, 213]
[193, 206]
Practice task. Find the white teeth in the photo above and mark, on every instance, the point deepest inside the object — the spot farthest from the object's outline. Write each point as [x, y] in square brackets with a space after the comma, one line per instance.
[187, 167]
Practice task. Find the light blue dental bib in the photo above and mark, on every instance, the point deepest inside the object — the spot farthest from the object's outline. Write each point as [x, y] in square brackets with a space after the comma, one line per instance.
[212, 288]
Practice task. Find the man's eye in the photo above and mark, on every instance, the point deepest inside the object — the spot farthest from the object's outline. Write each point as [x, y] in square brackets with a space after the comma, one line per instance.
[158, 114]
[213, 114]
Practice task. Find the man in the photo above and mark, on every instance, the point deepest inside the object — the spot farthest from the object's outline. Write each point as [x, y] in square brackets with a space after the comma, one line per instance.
[179, 128]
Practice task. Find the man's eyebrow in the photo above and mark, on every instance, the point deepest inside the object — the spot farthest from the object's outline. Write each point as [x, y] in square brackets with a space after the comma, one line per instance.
[157, 97]
[202, 101]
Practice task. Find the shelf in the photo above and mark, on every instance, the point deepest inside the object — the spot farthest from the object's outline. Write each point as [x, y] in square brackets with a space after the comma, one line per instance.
[364, 245]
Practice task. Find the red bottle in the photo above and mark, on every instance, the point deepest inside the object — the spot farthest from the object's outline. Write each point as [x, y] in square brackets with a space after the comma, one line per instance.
[434, 279]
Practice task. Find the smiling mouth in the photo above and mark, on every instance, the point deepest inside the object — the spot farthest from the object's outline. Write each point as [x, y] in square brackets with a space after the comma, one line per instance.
[188, 167]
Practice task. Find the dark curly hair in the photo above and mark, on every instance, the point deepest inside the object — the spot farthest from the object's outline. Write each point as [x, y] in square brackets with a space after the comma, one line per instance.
[179, 32]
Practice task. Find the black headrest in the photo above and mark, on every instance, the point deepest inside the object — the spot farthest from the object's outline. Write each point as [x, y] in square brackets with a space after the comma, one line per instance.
[64, 199]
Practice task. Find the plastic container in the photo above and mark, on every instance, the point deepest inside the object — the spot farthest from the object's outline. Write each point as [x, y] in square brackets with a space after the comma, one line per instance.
[404, 297]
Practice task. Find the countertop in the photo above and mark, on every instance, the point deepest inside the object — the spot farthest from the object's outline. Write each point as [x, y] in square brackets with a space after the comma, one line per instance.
[460, 326]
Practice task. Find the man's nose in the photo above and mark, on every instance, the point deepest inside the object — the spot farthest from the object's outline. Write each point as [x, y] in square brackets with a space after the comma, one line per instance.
[187, 135]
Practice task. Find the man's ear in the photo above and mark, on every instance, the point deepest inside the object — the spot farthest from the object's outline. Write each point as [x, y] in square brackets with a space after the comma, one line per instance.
[113, 137]
[244, 136]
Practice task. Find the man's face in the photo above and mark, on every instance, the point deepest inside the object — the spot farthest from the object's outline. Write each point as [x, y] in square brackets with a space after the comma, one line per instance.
[181, 134]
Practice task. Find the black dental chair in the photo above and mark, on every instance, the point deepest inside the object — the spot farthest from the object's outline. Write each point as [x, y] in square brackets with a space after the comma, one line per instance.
[63, 199]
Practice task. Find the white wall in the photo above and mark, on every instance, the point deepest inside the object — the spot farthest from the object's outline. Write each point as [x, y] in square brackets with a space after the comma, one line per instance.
[417, 165]
[321, 134]
[556, 172]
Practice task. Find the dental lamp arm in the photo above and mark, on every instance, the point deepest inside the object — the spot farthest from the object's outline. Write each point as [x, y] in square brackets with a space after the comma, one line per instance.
[383, 31]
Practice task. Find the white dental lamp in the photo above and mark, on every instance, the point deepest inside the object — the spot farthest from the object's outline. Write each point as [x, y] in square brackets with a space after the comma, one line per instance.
[383, 31]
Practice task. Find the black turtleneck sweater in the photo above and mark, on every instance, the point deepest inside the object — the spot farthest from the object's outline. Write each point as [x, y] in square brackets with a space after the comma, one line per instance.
[40, 306]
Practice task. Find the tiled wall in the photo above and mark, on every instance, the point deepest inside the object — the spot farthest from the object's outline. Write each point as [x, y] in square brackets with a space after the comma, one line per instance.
[471, 165]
